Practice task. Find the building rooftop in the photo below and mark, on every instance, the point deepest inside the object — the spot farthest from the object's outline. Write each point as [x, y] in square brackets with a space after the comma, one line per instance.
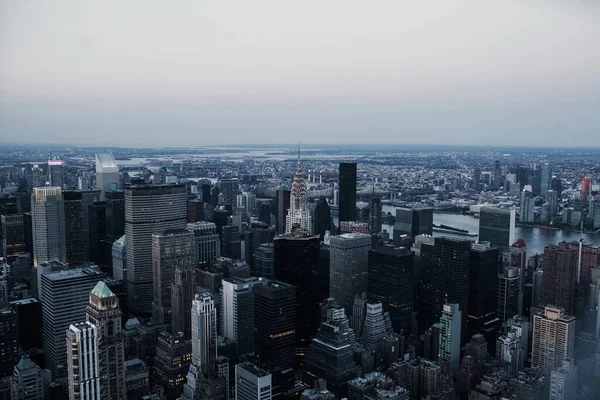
[253, 369]
[73, 273]
[102, 291]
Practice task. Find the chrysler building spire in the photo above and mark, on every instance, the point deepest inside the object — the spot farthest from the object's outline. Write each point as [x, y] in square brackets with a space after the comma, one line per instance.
[299, 214]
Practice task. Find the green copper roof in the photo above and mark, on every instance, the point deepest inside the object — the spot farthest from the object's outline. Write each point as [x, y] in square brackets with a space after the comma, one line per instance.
[101, 290]
[25, 363]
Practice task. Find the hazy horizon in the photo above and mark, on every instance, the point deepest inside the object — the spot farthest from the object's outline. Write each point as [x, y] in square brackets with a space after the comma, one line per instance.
[132, 74]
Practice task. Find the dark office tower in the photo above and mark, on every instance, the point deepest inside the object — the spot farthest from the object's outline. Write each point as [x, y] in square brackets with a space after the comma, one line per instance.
[483, 287]
[348, 267]
[74, 227]
[29, 322]
[55, 173]
[264, 262]
[28, 232]
[297, 263]
[206, 193]
[556, 185]
[497, 226]
[214, 196]
[88, 197]
[230, 189]
[432, 342]
[498, 179]
[148, 210]
[414, 222]
[232, 242]
[275, 332]
[477, 179]
[586, 188]
[13, 235]
[182, 295]
[560, 276]
[9, 345]
[172, 250]
[347, 182]
[545, 178]
[283, 204]
[523, 176]
[207, 240]
[236, 311]
[104, 312]
[98, 253]
[443, 278]
[171, 363]
[221, 219]
[64, 296]
[8, 206]
[256, 235]
[115, 215]
[330, 356]
[375, 217]
[391, 283]
[48, 225]
[322, 218]
[195, 211]
[264, 212]
[509, 293]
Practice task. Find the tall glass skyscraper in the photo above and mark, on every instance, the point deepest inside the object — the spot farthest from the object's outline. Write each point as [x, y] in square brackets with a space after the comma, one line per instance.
[347, 181]
[497, 226]
[148, 209]
[48, 225]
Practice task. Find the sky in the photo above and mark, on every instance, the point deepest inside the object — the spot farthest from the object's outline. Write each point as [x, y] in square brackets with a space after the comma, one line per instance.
[192, 73]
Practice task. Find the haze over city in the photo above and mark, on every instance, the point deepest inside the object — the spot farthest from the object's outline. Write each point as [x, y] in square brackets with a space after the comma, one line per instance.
[193, 73]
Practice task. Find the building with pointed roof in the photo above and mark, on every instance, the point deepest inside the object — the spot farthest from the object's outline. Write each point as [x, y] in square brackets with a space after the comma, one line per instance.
[104, 312]
[27, 381]
[107, 172]
[299, 216]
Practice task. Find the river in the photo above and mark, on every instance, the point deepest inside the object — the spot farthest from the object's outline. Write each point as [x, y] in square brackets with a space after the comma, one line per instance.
[535, 238]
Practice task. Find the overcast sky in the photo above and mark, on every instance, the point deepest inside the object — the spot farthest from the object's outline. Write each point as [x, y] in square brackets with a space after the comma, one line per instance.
[193, 72]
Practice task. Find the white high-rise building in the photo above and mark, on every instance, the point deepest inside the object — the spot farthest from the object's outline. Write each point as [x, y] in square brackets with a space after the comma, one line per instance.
[237, 312]
[48, 225]
[563, 381]
[299, 213]
[107, 172]
[510, 353]
[204, 330]
[553, 338]
[83, 362]
[450, 328]
[252, 383]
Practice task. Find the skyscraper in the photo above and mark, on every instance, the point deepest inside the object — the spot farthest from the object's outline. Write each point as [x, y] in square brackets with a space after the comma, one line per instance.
[55, 173]
[498, 180]
[563, 381]
[527, 207]
[330, 356]
[13, 235]
[586, 188]
[509, 293]
[283, 204]
[553, 338]
[204, 330]
[391, 282]
[297, 263]
[414, 222]
[376, 327]
[444, 277]
[347, 181]
[450, 336]
[103, 311]
[252, 383]
[115, 215]
[171, 363]
[545, 179]
[237, 312]
[64, 297]
[88, 197]
[510, 353]
[74, 227]
[182, 296]
[322, 217]
[275, 331]
[97, 245]
[560, 276]
[298, 215]
[483, 285]
[174, 249]
[83, 362]
[27, 381]
[497, 226]
[348, 267]
[107, 172]
[9, 345]
[264, 262]
[148, 210]
[207, 240]
[48, 220]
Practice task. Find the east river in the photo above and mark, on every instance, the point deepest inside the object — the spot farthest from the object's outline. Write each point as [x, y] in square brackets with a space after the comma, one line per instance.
[535, 238]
